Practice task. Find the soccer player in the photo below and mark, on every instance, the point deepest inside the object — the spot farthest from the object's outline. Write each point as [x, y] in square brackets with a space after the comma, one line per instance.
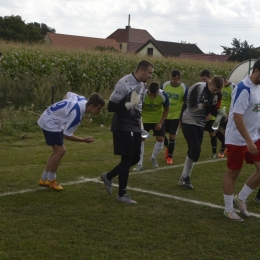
[243, 142]
[203, 98]
[126, 103]
[60, 121]
[154, 112]
[225, 102]
[205, 77]
[177, 94]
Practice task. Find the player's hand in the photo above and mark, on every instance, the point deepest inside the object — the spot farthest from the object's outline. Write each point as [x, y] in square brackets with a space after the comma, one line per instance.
[208, 117]
[252, 148]
[158, 127]
[89, 139]
[134, 101]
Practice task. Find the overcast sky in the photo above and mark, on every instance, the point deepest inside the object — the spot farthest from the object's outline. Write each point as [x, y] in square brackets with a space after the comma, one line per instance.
[208, 23]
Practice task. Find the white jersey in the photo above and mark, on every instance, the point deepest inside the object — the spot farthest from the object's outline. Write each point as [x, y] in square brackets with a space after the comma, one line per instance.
[64, 115]
[245, 101]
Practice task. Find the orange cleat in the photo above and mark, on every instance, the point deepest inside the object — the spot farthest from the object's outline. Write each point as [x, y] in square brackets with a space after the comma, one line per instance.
[55, 186]
[169, 160]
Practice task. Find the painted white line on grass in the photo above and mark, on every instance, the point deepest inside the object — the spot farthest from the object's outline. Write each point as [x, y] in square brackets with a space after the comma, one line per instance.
[175, 166]
[97, 180]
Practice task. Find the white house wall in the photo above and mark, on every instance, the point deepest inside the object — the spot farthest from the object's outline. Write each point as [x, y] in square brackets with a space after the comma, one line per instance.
[143, 52]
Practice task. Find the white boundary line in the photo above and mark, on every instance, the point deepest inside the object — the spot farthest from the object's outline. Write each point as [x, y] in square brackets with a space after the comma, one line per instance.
[96, 180]
[175, 166]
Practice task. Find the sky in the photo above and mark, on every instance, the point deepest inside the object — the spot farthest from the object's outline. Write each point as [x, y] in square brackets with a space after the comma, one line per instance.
[208, 23]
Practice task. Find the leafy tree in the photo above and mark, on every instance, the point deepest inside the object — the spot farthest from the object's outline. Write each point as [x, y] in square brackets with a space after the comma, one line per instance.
[13, 28]
[240, 51]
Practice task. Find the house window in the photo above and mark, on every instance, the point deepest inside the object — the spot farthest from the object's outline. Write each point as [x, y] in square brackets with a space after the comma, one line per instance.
[120, 46]
[150, 51]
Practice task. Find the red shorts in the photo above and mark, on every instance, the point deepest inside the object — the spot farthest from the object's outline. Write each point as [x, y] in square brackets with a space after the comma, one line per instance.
[237, 154]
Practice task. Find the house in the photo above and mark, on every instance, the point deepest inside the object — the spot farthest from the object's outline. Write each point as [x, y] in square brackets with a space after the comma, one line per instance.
[77, 42]
[167, 49]
[130, 39]
[206, 57]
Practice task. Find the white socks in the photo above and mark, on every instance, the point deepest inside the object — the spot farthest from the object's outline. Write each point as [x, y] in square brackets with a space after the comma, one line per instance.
[157, 149]
[51, 176]
[244, 193]
[188, 166]
[142, 154]
[228, 199]
[44, 175]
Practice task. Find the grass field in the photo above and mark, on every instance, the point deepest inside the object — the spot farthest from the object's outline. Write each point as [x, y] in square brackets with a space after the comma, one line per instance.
[84, 222]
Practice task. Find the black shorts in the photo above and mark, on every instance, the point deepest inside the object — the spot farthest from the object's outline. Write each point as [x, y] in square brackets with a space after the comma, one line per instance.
[127, 143]
[53, 138]
[151, 126]
[171, 126]
[208, 126]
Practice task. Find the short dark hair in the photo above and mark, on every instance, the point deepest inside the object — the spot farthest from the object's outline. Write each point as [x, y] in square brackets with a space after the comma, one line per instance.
[153, 87]
[217, 81]
[143, 64]
[95, 99]
[256, 65]
[175, 73]
[205, 73]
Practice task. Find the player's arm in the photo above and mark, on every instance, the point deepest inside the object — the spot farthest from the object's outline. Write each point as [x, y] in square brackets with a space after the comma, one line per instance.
[88, 139]
[166, 109]
[192, 100]
[184, 103]
[238, 119]
[115, 103]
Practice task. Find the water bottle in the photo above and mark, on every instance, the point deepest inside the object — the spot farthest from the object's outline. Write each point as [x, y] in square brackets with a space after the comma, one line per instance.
[221, 113]
[144, 134]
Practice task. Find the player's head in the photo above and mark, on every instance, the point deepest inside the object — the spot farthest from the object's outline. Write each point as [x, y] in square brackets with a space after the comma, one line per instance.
[216, 84]
[204, 75]
[95, 104]
[144, 70]
[255, 77]
[153, 89]
[175, 77]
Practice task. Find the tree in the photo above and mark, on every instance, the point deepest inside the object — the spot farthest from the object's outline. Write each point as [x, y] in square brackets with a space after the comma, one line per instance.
[241, 51]
[13, 28]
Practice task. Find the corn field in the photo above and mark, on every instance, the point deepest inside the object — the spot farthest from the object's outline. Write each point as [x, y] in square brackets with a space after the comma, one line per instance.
[27, 73]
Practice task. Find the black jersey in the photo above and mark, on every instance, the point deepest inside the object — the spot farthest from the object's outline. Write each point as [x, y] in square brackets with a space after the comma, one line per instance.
[196, 113]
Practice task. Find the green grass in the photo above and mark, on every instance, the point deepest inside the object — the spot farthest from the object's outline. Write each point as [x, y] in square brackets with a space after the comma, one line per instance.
[84, 222]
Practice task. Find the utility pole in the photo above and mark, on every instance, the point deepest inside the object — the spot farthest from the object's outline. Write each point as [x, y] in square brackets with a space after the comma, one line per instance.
[128, 33]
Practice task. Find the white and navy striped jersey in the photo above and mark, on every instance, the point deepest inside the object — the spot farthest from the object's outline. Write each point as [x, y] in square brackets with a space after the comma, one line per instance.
[64, 115]
[245, 101]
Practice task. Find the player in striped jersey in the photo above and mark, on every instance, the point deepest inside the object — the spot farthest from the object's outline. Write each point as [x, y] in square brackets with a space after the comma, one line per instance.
[61, 120]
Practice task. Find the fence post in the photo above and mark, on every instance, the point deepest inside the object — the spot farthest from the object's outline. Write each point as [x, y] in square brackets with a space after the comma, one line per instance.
[52, 94]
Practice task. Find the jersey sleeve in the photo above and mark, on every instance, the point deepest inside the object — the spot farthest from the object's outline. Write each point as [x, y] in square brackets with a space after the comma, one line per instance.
[166, 102]
[118, 93]
[241, 101]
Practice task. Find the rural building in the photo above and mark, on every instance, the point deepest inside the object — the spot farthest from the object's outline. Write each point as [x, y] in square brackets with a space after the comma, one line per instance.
[206, 57]
[130, 39]
[167, 49]
[77, 42]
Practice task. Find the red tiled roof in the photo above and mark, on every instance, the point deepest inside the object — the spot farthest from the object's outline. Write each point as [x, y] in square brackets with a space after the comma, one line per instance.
[137, 37]
[207, 57]
[79, 42]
